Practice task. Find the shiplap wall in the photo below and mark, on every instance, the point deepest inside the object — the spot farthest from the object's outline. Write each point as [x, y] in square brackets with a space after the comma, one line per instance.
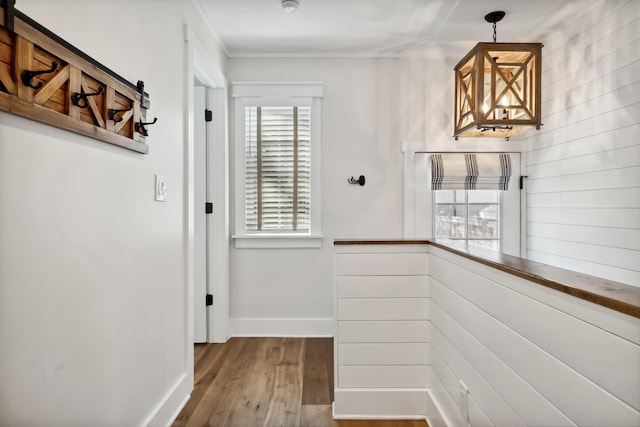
[381, 341]
[583, 191]
[529, 355]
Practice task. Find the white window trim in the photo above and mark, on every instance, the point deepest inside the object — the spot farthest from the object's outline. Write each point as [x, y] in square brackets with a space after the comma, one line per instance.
[418, 199]
[296, 94]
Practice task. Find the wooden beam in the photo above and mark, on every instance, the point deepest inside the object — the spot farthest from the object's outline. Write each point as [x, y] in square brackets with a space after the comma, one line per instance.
[52, 86]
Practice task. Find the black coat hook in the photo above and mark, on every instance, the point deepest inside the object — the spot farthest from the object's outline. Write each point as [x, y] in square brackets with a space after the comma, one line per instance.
[141, 129]
[28, 75]
[360, 180]
[112, 113]
[80, 99]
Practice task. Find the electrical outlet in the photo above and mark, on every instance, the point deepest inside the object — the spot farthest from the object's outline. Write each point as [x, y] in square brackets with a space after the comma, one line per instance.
[161, 189]
[463, 400]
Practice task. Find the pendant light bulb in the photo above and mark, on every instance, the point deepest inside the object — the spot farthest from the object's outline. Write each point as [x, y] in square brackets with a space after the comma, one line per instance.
[290, 6]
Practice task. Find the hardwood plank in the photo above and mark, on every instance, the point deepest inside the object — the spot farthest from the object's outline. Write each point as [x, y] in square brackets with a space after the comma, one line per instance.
[261, 381]
[252, 406]
[317, 416]
[226, 377]
[316, 389]
[284, 406]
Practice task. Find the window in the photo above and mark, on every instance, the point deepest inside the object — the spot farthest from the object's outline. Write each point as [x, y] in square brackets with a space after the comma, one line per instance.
[278, 168]
[277, 160]
[469, 216]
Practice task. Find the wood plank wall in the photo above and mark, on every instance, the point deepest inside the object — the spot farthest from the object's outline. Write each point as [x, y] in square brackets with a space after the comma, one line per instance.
[583, 191]
[529, 355]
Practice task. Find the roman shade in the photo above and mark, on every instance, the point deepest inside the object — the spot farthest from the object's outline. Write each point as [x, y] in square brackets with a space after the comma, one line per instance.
[470, 171]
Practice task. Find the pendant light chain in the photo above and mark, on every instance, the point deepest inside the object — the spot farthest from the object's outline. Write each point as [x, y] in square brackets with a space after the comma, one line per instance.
[494, 32]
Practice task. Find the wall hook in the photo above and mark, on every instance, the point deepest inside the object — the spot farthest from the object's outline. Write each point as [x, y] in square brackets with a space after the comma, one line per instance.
[80, 99]
[360, 180]
[141, 129]
[28, 75]
[112, 113]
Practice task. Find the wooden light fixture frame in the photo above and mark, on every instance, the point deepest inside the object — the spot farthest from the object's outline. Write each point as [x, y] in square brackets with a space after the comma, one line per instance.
[498, 89]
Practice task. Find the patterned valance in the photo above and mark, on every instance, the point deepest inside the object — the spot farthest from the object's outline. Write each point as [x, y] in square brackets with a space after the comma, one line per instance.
[470, 171]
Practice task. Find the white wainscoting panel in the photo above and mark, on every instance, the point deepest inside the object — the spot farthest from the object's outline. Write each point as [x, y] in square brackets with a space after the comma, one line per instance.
[382, 339]
[529, 354]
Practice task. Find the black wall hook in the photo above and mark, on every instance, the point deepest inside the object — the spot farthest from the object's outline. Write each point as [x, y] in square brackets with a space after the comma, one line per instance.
[360, 180]
[80, 99]
[141, 129]
[28, 75]
[112, 113]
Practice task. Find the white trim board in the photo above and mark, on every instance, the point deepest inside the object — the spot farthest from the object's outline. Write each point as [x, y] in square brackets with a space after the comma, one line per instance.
[281, 327]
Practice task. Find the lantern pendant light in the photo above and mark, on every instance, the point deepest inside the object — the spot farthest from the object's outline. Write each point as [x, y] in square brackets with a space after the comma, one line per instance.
[497, 88]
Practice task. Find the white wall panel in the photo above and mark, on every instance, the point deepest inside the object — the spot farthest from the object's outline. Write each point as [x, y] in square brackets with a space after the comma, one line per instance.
[618, 218]
[584, 165]
[389, 264]
[606, 198]
[612, 237]
[384, 331]
[383, 309]
[493, 404]
[531, 339]
[382, 376]
[600, 142]
[612, 256]
[384, 354]
[383, 286]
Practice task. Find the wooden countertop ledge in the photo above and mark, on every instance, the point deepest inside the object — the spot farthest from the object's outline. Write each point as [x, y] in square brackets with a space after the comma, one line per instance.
[614, 295]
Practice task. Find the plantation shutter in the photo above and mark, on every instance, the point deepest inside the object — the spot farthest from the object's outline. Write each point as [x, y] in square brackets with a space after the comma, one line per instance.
[470, 171]
[278, 168]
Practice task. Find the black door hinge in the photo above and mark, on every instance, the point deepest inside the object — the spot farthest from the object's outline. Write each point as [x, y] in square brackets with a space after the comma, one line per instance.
[522, 178]
[209, 300]
[208, 115]
[208, 208]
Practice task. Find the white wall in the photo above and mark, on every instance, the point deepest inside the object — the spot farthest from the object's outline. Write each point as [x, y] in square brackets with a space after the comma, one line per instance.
[583, 191]
[93, 320]
[359, 136]
[529, 355]
[369, 107]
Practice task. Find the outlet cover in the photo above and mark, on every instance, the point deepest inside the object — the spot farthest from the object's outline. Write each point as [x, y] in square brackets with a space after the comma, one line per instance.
[161, 189]
[464, 401]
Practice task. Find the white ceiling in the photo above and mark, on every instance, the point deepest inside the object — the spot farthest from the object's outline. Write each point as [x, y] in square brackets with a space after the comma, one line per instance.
[376, 27]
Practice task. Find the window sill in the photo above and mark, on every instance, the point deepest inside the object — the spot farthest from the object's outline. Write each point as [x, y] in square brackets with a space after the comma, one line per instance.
[277, 241]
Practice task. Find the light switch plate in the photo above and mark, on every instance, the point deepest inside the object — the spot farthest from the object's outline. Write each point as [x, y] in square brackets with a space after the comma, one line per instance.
[161, 189]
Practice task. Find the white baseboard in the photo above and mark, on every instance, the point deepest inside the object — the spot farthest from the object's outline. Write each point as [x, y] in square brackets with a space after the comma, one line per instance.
[281, 327]
[389, 404]
[168, 409]
[443, 404]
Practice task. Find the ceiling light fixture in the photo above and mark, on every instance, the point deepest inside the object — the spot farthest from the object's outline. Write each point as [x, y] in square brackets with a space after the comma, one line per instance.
[290, 6]
[497, 88]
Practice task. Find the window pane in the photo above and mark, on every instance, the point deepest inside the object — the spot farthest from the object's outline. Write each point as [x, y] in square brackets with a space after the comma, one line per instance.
[449, 196]
[278, 168]
[483, 196]
[450, 221]
[483, 221]
[485, 244]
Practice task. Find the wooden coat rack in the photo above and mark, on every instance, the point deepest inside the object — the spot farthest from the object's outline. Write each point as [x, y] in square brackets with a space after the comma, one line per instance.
[44, 78]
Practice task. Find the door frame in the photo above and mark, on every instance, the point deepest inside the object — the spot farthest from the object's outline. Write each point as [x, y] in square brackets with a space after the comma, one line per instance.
[200, 65]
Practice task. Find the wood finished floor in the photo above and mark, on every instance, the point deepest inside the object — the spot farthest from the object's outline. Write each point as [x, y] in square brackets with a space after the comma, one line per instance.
[264, 382]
